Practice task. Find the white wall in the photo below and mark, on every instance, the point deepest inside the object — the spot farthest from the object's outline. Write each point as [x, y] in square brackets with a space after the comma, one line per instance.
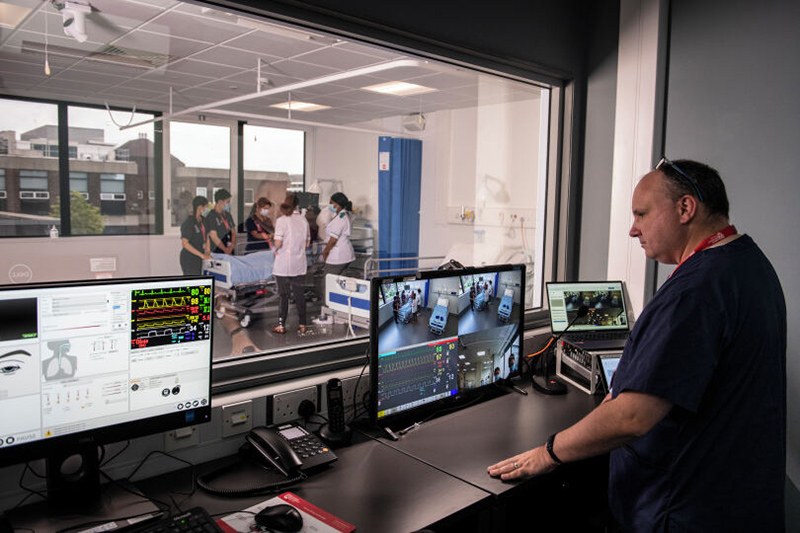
[351, 157]
[70, 258]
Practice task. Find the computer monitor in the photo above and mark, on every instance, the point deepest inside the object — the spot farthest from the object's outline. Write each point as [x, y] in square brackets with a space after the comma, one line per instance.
[92, 362]
[464, 338]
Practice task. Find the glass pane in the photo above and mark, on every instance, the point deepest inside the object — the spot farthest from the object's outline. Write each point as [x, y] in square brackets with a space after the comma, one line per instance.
[200, 156]
[23, 125]
[94, 142]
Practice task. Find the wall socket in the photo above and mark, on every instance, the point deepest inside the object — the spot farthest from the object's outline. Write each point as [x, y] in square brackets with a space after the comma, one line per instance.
[284, 407]
[348, 387]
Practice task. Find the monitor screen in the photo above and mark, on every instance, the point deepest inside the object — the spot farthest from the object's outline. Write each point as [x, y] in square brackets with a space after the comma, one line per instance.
[101, 361]
[604, 300]
[442, 334]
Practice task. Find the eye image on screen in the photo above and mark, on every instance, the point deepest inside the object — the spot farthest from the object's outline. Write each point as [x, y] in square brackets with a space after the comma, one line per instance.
[18, 319]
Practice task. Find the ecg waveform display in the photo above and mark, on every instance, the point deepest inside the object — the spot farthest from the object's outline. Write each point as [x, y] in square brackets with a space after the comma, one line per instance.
[415, 376]
[170, 316]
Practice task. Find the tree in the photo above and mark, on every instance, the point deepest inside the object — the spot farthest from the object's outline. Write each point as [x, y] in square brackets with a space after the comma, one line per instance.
[85, 219]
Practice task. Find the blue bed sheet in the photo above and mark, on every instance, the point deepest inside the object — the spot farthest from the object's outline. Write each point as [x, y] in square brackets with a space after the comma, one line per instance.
[249, 268]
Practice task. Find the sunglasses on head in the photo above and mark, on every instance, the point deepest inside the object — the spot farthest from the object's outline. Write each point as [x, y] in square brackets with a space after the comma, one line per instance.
[666, 162]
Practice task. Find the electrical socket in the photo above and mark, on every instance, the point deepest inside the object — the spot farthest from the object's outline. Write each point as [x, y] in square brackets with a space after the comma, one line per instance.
[284, 406]
[348, 386]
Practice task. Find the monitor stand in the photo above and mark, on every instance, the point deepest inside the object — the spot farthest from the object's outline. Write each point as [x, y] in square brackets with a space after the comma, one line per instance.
[75, 497]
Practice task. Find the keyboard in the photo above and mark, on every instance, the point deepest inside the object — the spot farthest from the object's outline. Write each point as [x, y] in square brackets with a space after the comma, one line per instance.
[597, 336]
[192, 521]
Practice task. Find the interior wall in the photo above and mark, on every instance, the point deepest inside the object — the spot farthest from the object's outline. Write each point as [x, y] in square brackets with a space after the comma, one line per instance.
[351, 157]
[732, 102]
[599, 146]
[35, 260]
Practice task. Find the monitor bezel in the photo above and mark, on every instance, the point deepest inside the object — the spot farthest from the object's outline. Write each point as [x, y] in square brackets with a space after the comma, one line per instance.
[463, 396]
[122, 431]
[625, 302]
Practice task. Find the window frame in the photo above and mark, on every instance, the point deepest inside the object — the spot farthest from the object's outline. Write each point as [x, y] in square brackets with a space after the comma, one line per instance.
[266, 368]
[64, 150]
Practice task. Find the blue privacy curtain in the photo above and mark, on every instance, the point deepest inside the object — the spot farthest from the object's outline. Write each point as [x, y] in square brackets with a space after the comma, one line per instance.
[399, 179]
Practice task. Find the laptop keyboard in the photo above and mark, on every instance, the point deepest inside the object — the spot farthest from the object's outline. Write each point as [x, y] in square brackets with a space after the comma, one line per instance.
[597, 336]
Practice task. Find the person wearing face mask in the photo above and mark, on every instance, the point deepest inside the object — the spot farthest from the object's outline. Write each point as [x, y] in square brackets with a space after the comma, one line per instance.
[338, 252]
[194, 239]
[259, 226]
[221, 228]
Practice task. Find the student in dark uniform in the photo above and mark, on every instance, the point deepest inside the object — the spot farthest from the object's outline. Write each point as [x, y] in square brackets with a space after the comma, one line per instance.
[221, 228]
[194, 239]
[259, 227]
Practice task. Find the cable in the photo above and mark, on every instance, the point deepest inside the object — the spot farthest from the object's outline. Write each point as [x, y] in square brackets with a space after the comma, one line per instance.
[203, 483]
[355, 389]
[30, 492]
[141, 463]
[103, 448]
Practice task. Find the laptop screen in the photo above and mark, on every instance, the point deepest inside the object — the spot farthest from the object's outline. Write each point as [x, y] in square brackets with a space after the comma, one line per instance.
[604, 300]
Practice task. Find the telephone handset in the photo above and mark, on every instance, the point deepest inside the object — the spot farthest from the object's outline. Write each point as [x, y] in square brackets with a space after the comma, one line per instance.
[289, 448]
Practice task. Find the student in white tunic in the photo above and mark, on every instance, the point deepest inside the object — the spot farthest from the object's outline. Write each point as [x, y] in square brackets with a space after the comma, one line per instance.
[338, 252]
[292, 237]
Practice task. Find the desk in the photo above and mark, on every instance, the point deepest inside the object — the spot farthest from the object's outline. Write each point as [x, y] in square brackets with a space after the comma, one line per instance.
[435, 476]
[466, 442]
[372, 486]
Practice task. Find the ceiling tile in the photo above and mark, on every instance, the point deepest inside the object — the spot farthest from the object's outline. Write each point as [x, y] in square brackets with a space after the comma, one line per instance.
[202, 68]
[234, 57]
[160, 44]
[191, 27]
[260, 42]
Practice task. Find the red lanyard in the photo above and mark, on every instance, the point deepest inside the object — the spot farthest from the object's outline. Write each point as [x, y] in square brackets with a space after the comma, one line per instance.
[709, 242]
[224, 221]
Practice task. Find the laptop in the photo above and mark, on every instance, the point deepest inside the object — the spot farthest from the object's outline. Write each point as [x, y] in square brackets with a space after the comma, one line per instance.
[608, 365]
[605, 325]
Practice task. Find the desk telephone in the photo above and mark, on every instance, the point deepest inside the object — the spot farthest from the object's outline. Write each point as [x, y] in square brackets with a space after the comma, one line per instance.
[289, 448]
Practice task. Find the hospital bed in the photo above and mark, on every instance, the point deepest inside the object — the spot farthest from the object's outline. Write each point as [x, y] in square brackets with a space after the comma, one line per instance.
[404, 314]
[243, 285]
[438, 320]
[481, 301]
[506, 304]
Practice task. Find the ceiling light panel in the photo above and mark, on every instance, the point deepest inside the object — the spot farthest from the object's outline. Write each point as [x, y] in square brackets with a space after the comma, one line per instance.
[300, 106]
[11, 15]
[399, 88]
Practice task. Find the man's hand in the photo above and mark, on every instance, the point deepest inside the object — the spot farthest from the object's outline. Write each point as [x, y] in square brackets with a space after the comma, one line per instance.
[534, 462]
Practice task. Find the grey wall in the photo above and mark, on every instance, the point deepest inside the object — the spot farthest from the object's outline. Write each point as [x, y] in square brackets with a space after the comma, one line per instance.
[732, 101]
[598, 156]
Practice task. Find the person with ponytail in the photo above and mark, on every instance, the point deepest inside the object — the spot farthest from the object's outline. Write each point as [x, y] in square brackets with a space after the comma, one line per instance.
[338, 252]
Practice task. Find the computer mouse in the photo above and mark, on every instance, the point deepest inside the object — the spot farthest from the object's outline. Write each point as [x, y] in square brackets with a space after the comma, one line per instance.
[280, 518]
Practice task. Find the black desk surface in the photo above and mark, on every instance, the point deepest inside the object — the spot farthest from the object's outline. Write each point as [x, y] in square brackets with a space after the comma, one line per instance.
[371, 486]
[466, 442]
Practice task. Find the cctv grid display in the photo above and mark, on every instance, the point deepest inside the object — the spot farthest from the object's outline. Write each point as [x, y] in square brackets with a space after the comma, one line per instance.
[604, 300]
[94, 356]
[465, 335]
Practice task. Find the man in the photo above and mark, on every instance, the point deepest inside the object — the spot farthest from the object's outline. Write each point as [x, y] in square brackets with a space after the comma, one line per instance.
[222, 230]
[697, 414]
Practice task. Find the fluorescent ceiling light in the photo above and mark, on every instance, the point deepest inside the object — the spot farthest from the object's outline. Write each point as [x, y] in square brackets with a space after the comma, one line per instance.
[11, 15]
[399, 88]
[300, 106]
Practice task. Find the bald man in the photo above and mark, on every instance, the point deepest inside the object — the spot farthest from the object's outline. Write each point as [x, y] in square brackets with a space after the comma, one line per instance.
[696, 417]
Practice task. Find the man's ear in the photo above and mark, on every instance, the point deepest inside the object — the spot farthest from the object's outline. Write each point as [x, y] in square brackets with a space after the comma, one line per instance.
[687, 208]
